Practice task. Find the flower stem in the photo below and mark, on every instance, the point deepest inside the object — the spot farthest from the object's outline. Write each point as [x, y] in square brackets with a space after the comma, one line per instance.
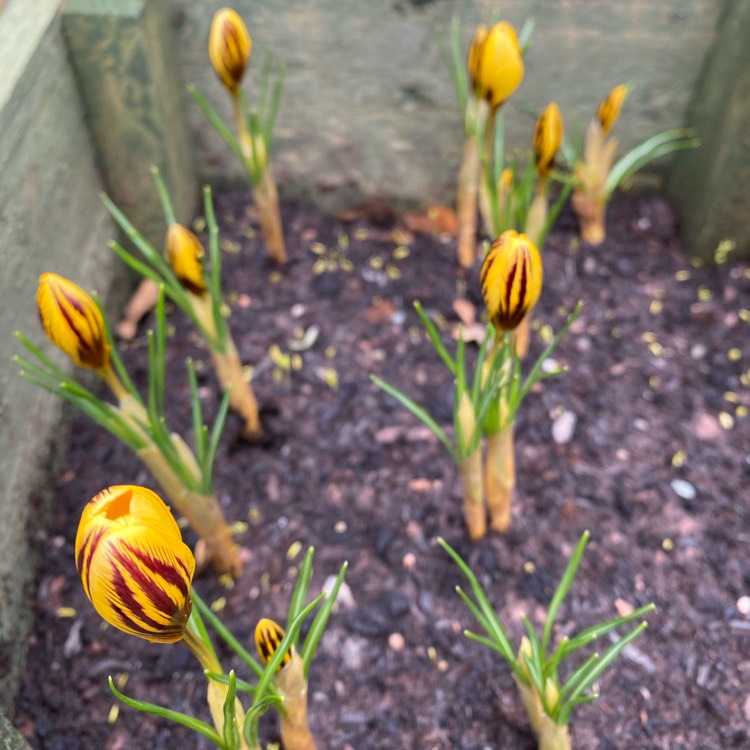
[267, 201]
[500, 476]
[241, 396]
[466, 202]
[470, 469]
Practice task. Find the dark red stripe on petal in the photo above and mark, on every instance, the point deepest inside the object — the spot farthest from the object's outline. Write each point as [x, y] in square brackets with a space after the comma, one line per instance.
[85, 555]
[177, 574]
[509, 286]
[487, 266]
[129, 574]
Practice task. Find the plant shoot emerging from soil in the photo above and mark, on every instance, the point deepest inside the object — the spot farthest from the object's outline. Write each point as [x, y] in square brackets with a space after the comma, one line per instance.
[137, 572]
[196, 290]
[229, 49]
[487, 404]
[549, 700]
[597, 176]
[75, 322]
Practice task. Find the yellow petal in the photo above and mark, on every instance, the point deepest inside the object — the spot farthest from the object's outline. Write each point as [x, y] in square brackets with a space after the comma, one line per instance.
[133, 564]
[185, 253]
[495, 63]
[548, 135]
[72, 321]
[268, 636]
[609, 110]
[511, 279]
[229, 47]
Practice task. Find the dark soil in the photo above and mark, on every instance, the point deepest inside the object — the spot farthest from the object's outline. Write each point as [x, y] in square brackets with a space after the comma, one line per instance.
[658, 383]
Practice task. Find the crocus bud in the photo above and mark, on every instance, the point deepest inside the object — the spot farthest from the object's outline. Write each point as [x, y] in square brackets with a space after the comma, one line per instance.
[548, 135]
[185, 253]
[525, 653]
[511, 279]
[609, 109]
[551, 696]
[229, 48]
[495, 62]
[73, 321]
[268, 637]
[134, 566]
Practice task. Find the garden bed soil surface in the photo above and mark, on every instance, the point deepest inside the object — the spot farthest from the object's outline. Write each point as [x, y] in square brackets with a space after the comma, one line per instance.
[651, 456]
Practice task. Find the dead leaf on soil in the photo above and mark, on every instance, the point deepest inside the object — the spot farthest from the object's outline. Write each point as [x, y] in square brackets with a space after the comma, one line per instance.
[437, 219]
[380, 312]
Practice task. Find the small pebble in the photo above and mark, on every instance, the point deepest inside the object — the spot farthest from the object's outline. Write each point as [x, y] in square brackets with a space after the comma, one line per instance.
[743, 606]
[698, 351]
[410, 561]
[550, 365]
[396, 642]
[683, 489]
[563, 427]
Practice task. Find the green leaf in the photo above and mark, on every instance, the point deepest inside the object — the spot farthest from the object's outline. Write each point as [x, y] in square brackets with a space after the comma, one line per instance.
[600, 666]
[166, 202]
[216, 121]
[417, 410]
[588, 636]
[658, 145]
[434, 335]
[231, 730]
[165, 713]
[207, 466]
[299, 595]
[490, 622]
[563, 587]
[321, 620]
[214, 280]
[225, 634]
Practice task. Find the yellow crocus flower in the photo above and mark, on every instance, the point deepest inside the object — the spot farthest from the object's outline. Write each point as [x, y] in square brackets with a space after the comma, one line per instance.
[135, 568]
[495, 62]
[185, 253]
[511, 279]
[609, 109]
[548, 135]
[229, 48]
[268, 637]
[73, 322]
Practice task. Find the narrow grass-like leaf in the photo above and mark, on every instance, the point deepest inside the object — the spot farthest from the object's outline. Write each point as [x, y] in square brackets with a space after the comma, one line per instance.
[535, 375]
[495, 629]
[601, 665]
[252, 717]
[585, 637]
[299, 595]
[216, 121]
[165, 713]
[231, 730]
[321, 620]
[226, 635]
[207, 466]
[166, 202]
[563, 587]
[418, 411]
[658, 145]
[434, 335]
